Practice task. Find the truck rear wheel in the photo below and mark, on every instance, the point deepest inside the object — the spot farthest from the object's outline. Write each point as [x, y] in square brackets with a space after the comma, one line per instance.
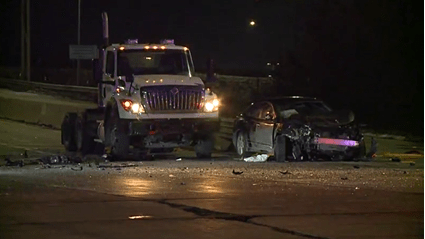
[84, 140]
[68, 132]
[118, 135]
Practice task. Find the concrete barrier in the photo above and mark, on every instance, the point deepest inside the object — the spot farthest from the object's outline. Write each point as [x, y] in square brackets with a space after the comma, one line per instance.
[38, 109]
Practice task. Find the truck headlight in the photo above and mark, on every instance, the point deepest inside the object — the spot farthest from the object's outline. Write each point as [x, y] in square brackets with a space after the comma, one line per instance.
[212, 105]
[134, 108]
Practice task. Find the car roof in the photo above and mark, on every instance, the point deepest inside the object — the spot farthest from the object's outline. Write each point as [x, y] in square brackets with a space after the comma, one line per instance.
[289, 99]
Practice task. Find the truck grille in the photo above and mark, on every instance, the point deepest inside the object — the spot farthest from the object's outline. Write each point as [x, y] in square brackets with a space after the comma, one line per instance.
[173, 98]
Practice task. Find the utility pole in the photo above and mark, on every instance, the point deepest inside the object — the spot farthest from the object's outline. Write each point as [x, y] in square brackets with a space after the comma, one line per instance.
[22, 40]
[78, 40]
[28, 43]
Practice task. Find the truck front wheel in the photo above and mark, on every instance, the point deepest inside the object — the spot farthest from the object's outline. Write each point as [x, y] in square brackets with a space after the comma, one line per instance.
[204, 146]
[118, 135]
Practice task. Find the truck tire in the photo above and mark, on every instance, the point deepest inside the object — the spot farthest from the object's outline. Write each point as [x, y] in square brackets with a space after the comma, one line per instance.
[204, 146]
[84, 140]
[118, 135]
[280, 148]
[68, 132]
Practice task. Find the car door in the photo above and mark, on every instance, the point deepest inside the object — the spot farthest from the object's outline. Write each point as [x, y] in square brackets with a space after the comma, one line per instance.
[264, 128]
[252, 116]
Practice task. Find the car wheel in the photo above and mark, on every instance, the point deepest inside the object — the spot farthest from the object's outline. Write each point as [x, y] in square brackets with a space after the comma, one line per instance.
[68, 132]
[280, 148]
[241, 144]
[118, 136]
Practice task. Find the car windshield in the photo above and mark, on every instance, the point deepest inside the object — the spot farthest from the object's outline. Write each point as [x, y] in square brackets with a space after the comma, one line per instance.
[147, 62]
[303, 107]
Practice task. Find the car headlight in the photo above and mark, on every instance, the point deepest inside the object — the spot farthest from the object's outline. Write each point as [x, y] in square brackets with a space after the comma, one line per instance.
[134, 108]
[212, 105]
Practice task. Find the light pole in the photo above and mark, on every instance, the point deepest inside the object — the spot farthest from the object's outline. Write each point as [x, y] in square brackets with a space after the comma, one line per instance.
[25, 38]
[22, 39]
[28, 43]
[78, 40]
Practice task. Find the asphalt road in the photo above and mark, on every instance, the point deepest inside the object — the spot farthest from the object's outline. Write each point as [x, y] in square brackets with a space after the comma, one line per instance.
[195, 198]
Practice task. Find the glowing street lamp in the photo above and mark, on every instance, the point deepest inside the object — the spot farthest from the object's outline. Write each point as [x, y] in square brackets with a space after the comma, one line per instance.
[252, 23]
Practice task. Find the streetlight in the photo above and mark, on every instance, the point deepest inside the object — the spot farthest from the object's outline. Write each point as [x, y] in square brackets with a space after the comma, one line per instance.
[252, 23]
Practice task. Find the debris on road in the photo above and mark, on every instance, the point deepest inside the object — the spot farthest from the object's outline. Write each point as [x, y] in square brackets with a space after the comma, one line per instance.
[183, 183]
[9, 162]
[396, 160]
[237, 173]
[179, 159]
[59, 159]
[413, 152]
[412, 164]
[284, 172]
[355, 166]
[116, 166]
[344, 178]
[78, 168]
[25, 154]
[256, 158]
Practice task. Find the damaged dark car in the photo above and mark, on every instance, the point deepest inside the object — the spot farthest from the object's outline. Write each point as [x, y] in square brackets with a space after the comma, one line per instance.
[296, 128]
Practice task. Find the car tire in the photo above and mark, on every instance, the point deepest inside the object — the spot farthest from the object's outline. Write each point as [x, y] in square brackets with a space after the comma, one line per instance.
[68, 132]
[280, 148]
[118, 135]
[204, 146]
[241, 144]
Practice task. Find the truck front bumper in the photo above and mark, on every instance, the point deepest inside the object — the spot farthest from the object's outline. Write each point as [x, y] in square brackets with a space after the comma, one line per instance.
[163, 133]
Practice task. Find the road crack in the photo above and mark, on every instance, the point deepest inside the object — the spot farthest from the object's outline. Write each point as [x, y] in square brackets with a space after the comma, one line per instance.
[209, 214]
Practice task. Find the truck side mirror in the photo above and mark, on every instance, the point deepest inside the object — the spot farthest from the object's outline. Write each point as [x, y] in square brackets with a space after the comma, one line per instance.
[97, 70]
[210, 71]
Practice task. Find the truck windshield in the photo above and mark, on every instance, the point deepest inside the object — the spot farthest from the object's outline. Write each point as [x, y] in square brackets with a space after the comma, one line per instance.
[147, 62]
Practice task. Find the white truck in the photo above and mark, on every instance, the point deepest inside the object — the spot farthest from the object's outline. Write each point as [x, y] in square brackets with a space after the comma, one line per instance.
[148, 101]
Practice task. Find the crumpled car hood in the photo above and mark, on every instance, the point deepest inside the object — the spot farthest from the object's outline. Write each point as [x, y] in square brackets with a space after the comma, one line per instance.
[329, 119]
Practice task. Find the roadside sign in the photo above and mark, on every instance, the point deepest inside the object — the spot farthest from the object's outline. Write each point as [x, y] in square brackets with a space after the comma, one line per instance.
[83, 52]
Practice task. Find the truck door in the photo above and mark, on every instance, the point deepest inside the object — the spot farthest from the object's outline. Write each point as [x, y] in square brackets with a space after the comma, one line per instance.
[109, 75]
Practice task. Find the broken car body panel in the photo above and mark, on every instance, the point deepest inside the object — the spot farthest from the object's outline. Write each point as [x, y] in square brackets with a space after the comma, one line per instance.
[311, 128]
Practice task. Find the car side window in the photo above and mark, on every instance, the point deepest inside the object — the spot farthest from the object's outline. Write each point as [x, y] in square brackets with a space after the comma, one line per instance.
[267, 109]
[254, 111]
[110, 63]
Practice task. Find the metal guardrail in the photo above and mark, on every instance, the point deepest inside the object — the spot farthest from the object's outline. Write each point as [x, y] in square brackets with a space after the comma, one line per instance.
[70, 91]
[47, 86]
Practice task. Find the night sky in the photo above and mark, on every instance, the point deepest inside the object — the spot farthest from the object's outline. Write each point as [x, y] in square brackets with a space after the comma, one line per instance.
[219, 29]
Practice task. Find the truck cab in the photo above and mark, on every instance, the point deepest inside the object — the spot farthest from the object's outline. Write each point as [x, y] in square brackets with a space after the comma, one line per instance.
[149, 101]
